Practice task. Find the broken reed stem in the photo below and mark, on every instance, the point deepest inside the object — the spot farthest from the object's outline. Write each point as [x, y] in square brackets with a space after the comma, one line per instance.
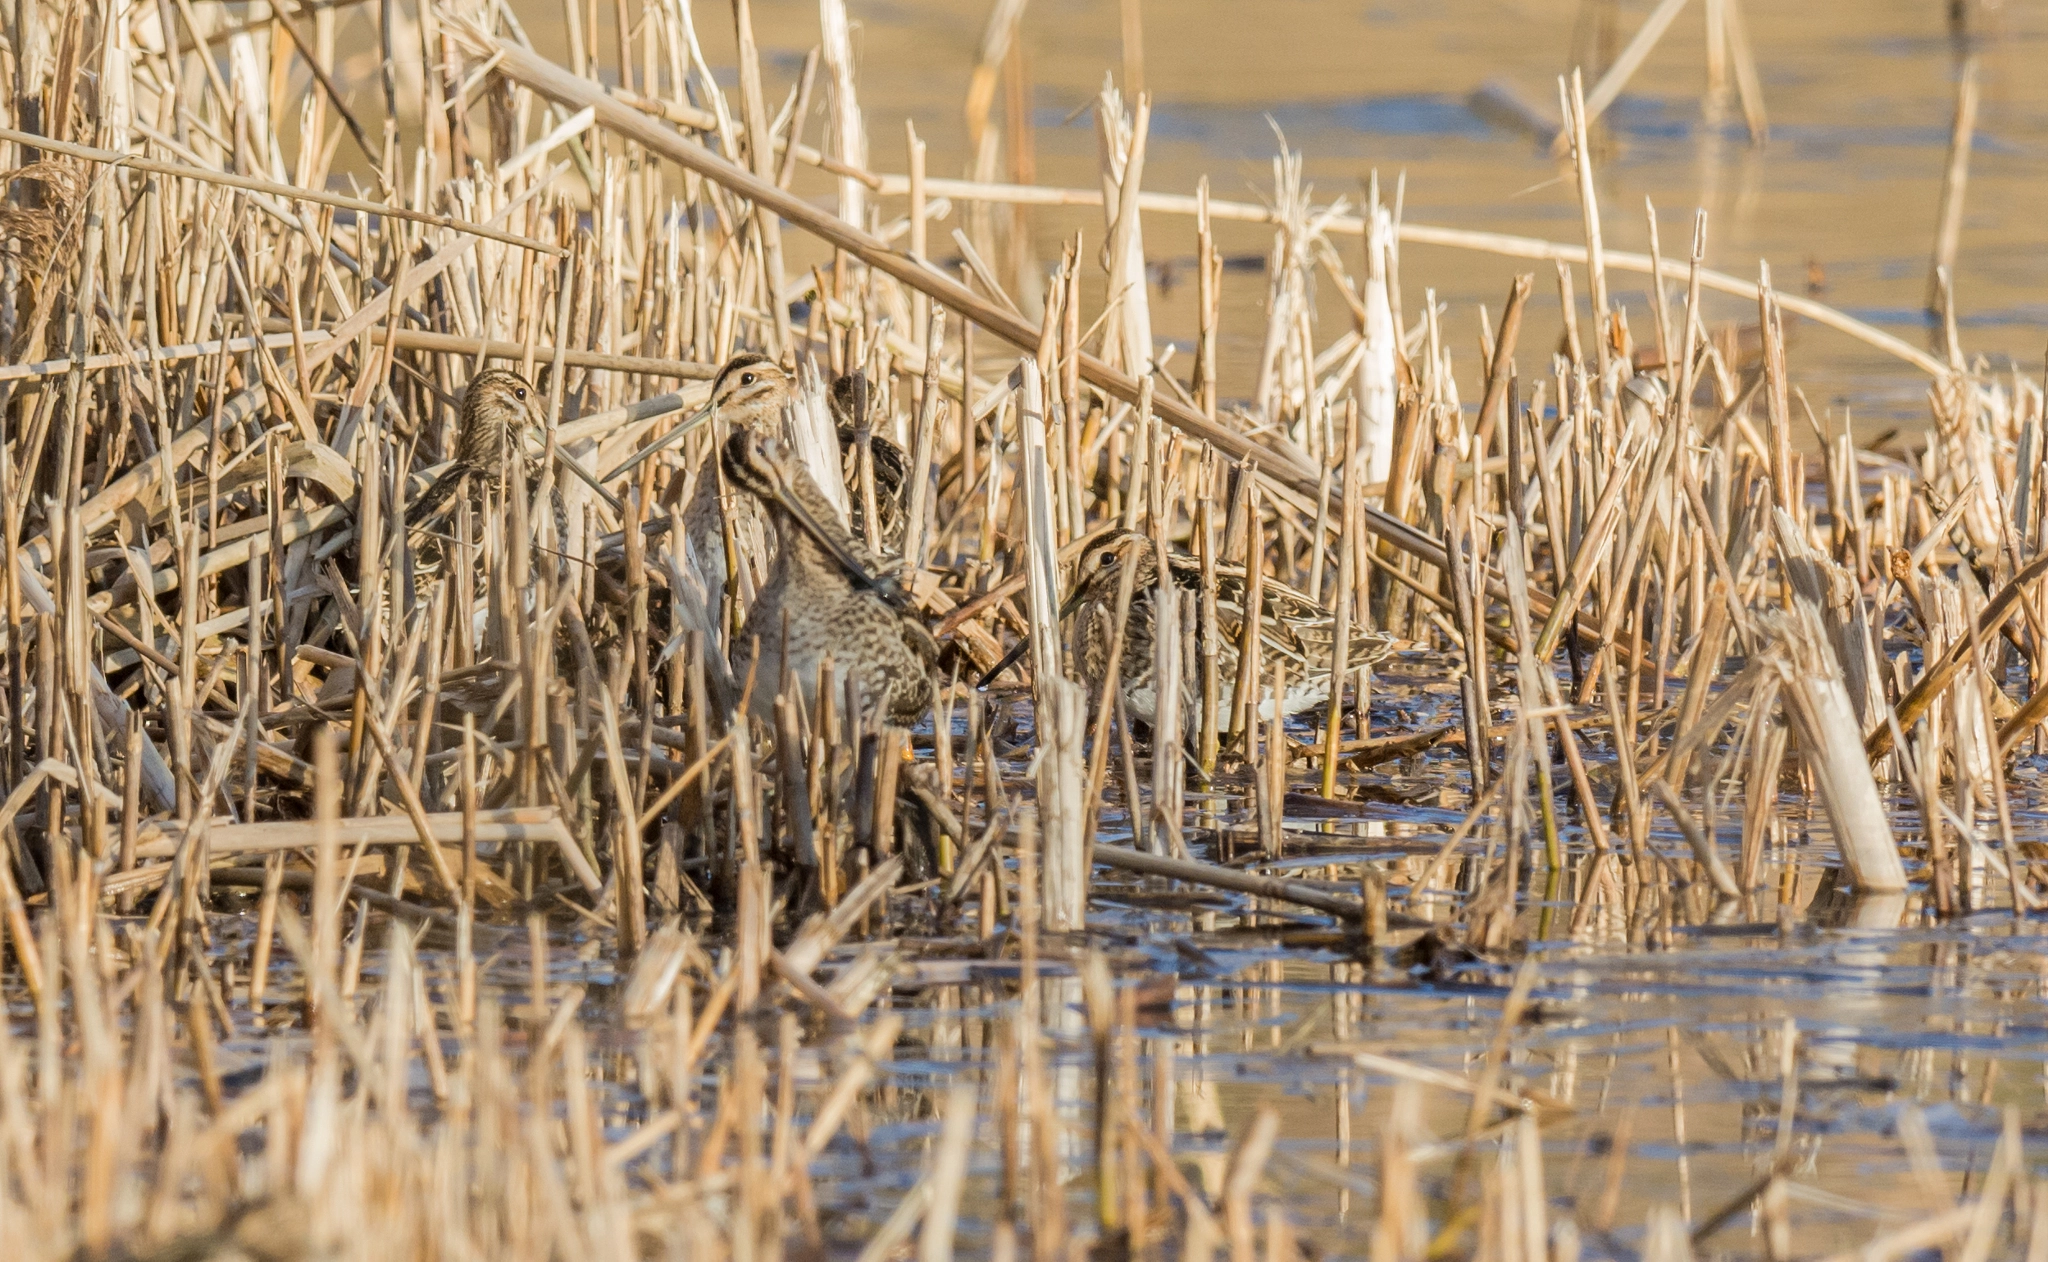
[1955, 179]
[1340, 652]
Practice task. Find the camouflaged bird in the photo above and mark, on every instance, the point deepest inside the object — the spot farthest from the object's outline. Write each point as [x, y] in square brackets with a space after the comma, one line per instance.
[499, 410]
[1293, 628]
[750, 394]
[500, 422]
[824, 597]
[851, 417]
[754, 393]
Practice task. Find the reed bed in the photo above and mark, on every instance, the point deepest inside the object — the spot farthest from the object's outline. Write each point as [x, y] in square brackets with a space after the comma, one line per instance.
[373, 894]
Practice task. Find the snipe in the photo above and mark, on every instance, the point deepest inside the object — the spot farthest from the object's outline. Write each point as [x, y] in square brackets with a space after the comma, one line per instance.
[499, 423]
[1294, 628]
[499, 411]
[886, 462]
[749, 395]
[755, 394]
[822, 597]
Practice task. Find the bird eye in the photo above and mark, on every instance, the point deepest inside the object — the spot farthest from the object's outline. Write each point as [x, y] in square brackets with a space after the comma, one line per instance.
[746, 379]
[520, 394]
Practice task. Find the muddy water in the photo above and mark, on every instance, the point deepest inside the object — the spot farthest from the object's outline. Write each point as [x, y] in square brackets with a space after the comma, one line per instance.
[1675, 1059]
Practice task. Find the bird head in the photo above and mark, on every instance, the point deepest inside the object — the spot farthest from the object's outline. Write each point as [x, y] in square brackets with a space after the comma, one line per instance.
[750, 392]
[1101, 568]
[507, 394]
[500, 411]
[1096, 578]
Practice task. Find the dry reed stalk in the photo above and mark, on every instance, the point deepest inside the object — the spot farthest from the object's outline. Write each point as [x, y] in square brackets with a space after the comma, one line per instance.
[1340, 653]
[1820, 707]
[1302, 893]
[1503, 244]
[767, 228]
[1271, 774]
[920, 510]
[1061, 716]
[1376, 392]
[1208, 298]
[1123, 140]
[1062, 784]
[1161, 831]
[1472, 689]
[1573, 107]
[1106, 704]
[1244, 696]
[1499, 369]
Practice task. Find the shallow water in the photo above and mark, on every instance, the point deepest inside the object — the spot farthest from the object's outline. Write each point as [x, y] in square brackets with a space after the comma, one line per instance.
[1656, 1047]
[1842, 201]
[1665, 1061]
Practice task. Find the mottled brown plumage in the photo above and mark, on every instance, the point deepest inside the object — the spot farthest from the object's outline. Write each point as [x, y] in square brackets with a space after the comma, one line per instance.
[1293, 628]
[852, 418]
[498, 411]
[749, 395]
[754, 393]
[822, 597]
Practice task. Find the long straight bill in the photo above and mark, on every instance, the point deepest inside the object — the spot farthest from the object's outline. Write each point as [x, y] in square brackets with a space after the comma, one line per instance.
[1023, 646]
[662, 443]
[855, 568]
